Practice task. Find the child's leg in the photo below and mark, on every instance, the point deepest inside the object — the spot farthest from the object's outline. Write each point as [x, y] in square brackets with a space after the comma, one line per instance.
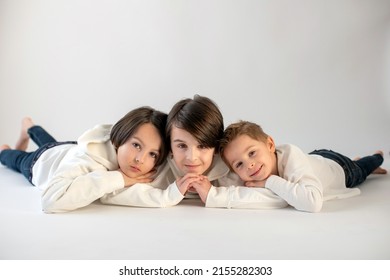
[20, 161]
[371, 164]
[38, 134]
[35, 132]
[356, 171]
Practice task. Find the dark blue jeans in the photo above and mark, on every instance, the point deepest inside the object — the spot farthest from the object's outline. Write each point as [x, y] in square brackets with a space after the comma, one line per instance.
[356, 171]
[22, 161]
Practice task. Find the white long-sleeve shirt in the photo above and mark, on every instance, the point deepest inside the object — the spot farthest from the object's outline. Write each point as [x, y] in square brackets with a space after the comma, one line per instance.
[305, 181]
[73, 176]
[227, 190]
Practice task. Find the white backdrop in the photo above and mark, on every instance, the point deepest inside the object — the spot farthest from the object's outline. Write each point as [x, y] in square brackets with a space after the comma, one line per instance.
[314, 73]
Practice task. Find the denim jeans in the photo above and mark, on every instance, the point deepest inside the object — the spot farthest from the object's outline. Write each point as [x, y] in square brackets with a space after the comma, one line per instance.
[356, 171]
[22, 161]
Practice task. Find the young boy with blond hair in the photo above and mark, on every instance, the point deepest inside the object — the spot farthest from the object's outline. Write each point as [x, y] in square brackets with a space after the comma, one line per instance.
[303, 180]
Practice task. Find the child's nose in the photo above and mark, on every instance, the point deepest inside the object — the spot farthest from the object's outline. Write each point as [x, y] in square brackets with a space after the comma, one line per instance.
[192, 154]
[140, 157]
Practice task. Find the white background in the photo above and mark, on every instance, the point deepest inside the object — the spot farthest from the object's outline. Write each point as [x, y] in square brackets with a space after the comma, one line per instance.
[313, 73]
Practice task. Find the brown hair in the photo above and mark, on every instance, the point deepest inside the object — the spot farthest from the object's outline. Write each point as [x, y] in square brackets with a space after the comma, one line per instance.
[200, 117]
[234, 130]
[128, 125]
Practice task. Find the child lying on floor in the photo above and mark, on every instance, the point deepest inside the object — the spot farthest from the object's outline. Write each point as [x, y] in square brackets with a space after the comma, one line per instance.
[303, 180]
[104, 159]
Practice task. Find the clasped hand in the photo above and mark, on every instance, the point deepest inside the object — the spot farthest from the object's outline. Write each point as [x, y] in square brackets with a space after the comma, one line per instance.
[192, 182]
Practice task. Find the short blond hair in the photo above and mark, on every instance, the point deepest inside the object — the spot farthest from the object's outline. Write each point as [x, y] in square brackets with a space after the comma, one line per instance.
[234, 130]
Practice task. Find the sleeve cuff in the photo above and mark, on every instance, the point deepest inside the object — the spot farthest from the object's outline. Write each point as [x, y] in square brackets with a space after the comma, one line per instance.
[218, 197]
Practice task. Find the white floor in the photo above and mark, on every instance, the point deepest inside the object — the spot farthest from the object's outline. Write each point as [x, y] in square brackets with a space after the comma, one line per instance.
[355, 228]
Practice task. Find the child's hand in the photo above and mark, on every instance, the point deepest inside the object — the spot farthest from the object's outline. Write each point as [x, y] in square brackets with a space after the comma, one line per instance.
[202, 186]
[185, 183]
[146, 178]
[258, 184]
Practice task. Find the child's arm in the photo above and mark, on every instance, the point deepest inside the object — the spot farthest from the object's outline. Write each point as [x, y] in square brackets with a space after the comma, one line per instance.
[162, 192]
[77, 188]
[233, 196]
[66, 194]
[305, 195]
[144, 195]
[243, 197]
[297, 182]
[297, 185]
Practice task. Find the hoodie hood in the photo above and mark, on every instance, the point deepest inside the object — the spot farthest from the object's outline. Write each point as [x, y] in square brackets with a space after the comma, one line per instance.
[96, 144]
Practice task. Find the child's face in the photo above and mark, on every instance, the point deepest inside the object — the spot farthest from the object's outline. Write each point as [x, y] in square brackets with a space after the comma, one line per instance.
[251, 159]
[139, 154]
[189, 155]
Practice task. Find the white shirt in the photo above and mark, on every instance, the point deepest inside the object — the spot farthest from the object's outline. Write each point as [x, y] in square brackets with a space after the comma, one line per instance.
[305, 181]
[227, 190]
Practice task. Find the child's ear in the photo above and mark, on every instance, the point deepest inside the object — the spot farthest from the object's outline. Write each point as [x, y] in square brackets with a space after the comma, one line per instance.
[271, 144]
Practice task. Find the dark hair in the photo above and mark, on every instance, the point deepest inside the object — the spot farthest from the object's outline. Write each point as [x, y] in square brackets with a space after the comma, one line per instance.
[128, 125]
[200, 117]
[234, 130]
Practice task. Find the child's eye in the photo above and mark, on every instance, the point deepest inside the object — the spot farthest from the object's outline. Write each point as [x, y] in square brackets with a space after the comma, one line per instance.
[182, 146]
[154, 155]
[252, 153]
[202, 147]
[238, 165]
[137, 146]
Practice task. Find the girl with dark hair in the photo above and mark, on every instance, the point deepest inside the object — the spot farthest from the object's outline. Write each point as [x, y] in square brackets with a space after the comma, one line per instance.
[104, 159]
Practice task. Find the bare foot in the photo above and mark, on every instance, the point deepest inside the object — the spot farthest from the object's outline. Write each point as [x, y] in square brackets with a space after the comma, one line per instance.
[4, 147]
[379, 152]
[24, 138]
[379, 170]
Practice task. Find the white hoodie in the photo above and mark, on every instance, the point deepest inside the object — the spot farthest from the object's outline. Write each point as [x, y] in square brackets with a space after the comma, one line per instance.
[73, 176]
[227, 190]
[306, 181]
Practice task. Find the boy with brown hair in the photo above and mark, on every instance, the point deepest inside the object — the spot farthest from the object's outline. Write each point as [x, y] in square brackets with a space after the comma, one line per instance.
[303, 180]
